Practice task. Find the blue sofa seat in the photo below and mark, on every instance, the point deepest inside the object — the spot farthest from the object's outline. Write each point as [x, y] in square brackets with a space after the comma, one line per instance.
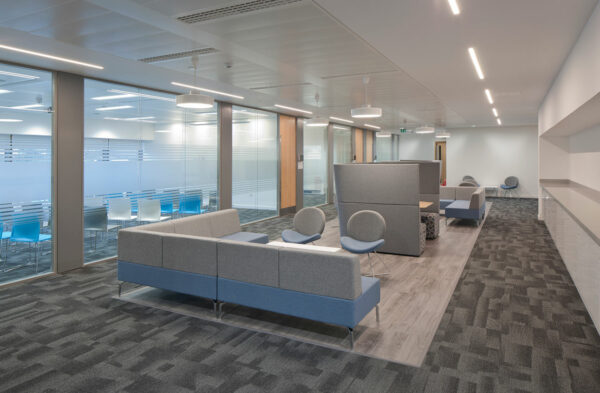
[250, 237]
[336, 311]
[445, 202]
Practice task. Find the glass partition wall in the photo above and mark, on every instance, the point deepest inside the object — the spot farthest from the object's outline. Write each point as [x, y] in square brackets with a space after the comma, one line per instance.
[383, 146]
[145, 161]
[315, 165]
[25, 173]
[342, 146]
[255, 162]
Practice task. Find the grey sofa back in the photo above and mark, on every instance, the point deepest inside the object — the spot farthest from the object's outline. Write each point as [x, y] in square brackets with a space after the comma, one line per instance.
[392, 190]
[178, 245]
[475, 195]
[477, 199]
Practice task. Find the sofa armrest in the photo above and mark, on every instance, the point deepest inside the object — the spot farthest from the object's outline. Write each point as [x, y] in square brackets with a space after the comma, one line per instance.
[191, 254]
[138, 246]
[477, 199]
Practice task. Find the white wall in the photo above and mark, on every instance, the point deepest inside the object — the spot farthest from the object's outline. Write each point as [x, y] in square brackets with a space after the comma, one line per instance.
[584, 157]
[488, 154]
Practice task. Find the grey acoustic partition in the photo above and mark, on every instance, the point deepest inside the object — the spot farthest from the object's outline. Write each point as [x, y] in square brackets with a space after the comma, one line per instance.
[389, 189]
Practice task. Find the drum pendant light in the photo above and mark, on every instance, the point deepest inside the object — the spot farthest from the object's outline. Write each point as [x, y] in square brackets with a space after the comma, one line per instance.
[317, 121]
[367, 111]
[194, 100]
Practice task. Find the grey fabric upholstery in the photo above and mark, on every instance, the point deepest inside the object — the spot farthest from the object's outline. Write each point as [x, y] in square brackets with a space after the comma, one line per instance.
[366, 226]
[248, 262]
[320, 273]
[139, 246]
[224, 222]
[467, 184]
[448, 193]
[511, 181]
[198, 225]
[432, 224]
[468, 178]
[309, 221]
[464, 193]
[190, 254]
[477, 199]
[162, 227]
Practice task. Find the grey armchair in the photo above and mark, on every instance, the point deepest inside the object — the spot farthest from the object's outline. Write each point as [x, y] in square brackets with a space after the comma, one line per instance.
[309, 224]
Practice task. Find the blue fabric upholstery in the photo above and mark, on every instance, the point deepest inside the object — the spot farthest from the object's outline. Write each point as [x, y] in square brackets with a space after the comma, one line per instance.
[172, 280]
[460, 209]
[291, 236]
[358, 247]
[249, 237]
[304, 305]
[505, 187]
[445, 202]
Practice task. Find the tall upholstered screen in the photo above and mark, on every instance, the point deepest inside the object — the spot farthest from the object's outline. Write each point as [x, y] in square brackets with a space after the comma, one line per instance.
[390, 189]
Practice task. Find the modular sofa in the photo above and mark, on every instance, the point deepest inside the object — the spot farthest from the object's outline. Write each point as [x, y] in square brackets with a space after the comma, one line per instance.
[191, 255]
[467, 202]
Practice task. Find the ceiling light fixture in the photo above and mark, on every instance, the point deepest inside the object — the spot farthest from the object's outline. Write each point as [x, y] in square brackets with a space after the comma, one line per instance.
[48, 110]
[341, 128]
[10, 120]
[383, 135]
[2, 91]
[207, 90]
[17, 75]
[30, 106]
[495, 111]
[488, 94]
[194, 100]
[443, 135]
[499, 121]
[366, 112]
[51, 57]
[145, 119]
[476, 64]
[340, 119]
[119, 96]
[424, 130]
[372, 126]
[454, 7]
[289, 108]
[317, 121]
[113, 108]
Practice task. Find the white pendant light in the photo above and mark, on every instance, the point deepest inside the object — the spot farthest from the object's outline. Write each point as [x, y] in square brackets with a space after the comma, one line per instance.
[366, 111]
[424, 130]
[317, 121]
[194, 100]
[443, 135]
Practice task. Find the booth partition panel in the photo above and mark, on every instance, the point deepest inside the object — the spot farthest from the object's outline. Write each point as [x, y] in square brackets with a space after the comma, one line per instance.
[26, 131]
[255, 164]
[145, 160]
[315, 165]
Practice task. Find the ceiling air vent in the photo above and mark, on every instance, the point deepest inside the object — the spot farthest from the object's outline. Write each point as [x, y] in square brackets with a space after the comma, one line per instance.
[179, 55]
[236, 9]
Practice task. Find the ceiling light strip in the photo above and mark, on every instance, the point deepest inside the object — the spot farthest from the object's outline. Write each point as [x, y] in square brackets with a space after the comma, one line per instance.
[207, 90]
[134, 94]
[454, 7]
[293, 109]
[476, 64]
[51, 57]
[372, 126]
[488, 94]
[340, 119]
[17, 75]
[495, 112]
[114, 108]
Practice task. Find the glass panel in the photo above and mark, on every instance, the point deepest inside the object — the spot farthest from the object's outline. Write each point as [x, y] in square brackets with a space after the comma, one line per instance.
[315, 165]
[342, 146]
[384, 147]
[165, 158]
[25, 172]
[255, 162]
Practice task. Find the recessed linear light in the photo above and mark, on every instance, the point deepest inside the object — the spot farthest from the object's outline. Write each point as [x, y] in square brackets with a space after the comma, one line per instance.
[293, 109]
[17, 75]
[488, 94]
[2, 91]
[51, 57]
[115, 97]
[341, 128]
[454, 7]
[495, 112]
[424, 130]
[340, 119]
[372, 126]
[135, 94]
[162, 131]
[499, 121]
[207, 90]
[10, 120]
[113, 108]
[30, 106]
[26, 109]
[145, 119]
[476, 64]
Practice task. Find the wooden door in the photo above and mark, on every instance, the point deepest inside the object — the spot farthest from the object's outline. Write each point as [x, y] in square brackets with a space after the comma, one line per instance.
[440, 155]
[369, 146]
[287, 151]
[359, 146]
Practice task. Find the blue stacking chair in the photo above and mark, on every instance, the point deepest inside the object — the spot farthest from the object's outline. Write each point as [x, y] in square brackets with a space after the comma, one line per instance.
[28, 231]
[365, 231]
[3, 237]
[191, 204]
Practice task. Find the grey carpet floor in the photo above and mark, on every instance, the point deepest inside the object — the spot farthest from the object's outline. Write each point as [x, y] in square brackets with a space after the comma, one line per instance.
[514, 324]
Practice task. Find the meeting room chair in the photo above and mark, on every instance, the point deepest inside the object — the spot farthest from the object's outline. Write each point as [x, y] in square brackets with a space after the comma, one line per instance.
[27, 230]
[365, 231]
[510, 185]
[191, 203]
[95, 220]
[119, 209]
[150, 210]
[309, 224]
[4, 236]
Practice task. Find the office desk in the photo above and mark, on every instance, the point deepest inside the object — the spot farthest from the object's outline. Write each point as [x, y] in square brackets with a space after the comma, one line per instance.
[424, 205]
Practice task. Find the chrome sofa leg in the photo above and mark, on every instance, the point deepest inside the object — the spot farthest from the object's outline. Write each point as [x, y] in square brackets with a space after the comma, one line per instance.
[377, 313]
[120, 288]
[220, 311]
[351, 334]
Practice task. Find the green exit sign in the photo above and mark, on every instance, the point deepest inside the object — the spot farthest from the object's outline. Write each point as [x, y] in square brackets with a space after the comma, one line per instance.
[403, 130]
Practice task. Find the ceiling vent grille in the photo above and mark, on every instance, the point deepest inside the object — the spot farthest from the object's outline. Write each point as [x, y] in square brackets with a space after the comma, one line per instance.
[232, 10]
[179, 55]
